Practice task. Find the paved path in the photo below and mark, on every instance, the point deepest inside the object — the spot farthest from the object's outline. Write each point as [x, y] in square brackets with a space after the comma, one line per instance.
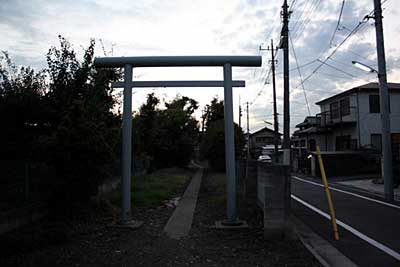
[180, 222]
[369, 228]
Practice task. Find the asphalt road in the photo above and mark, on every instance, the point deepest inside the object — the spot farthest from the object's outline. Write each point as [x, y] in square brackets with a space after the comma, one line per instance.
[369, 230]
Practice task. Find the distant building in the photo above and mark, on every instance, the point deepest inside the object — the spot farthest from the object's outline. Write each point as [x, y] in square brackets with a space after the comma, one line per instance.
[260, 138]
[350, 120]
[309, 131]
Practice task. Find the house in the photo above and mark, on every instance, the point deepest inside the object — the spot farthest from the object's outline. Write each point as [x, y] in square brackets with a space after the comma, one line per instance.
[352, 119]
[349, 122]
[260, 138]
[304, 140]
[309, 131]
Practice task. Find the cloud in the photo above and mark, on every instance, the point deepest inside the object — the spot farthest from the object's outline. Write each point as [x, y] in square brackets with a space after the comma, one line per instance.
[204, 27]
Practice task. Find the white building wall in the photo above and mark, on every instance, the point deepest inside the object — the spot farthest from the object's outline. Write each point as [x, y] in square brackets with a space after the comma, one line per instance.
[347, 130]
[370, 123]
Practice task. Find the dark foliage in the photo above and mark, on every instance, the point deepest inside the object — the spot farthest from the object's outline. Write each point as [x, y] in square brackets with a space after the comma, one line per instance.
[62, 120]
[22, 109]
[85, 132]
[213, 139]
[62, 117]
[167, 137]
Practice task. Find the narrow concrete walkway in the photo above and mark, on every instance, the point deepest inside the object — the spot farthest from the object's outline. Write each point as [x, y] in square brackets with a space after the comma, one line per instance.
[180, 222]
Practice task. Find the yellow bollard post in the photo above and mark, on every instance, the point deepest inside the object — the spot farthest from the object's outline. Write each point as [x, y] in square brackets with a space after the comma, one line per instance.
[328, 195]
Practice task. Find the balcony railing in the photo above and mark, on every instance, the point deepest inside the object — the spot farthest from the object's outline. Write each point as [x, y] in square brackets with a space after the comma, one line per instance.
[337, 116]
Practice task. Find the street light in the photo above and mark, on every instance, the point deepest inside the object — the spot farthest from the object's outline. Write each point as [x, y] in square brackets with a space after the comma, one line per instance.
[386, 131]
[363, 67]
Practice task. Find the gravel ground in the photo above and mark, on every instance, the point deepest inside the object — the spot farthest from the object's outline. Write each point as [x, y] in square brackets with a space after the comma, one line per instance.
[94, 244]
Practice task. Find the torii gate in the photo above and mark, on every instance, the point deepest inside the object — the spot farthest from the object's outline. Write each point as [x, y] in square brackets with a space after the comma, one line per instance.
[227, 62]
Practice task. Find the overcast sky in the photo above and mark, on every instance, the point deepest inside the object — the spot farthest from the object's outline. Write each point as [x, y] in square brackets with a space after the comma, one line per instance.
[28, 28]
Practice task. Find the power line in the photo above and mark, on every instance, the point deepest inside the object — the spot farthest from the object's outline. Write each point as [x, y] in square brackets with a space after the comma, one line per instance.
[357, 54]
[301, 15]
[308, 19]
[292, 5]
[301, 77]
[301, 66]
[266, 79]
[338, 23]
[332, 75]
[341, 62]
[335, 68]
[297, 32]
[355, 29]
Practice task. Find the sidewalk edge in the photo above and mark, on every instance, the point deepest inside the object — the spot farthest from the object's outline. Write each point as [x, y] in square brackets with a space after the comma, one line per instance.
[321, 249]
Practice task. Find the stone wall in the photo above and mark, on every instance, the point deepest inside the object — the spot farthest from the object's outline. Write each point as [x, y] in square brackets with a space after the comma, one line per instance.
[273, 196]
[268, 186]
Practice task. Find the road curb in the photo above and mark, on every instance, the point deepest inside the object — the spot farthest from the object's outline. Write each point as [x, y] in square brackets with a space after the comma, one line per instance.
[321, 249]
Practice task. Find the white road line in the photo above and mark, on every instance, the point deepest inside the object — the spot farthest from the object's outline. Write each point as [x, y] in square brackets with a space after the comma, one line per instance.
[364, 237]
[349, 193]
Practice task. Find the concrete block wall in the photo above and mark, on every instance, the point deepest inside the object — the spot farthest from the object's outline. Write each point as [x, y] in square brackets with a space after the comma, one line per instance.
[273, 196]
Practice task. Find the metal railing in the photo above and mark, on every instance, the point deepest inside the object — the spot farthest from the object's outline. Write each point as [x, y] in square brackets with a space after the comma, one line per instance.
[336, 116]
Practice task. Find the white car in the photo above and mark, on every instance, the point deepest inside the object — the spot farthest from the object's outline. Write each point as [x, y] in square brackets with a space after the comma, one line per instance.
[264, 158]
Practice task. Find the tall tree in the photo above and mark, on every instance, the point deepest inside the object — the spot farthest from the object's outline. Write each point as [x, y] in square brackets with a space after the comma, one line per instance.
[213, 140]
[85, 130]
[22, 110]
[166, 137]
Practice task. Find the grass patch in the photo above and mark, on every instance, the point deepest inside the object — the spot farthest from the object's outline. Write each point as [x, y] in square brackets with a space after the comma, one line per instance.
[151, 190]
[216, 183]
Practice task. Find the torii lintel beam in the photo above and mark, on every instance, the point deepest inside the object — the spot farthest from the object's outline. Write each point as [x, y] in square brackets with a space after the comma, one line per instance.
[144, 84]
[178, 61]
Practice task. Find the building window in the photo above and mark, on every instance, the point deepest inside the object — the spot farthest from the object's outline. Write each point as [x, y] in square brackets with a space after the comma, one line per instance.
[303, 143]
[345, 143]
[376, 141]
[396, 146]
[374, 106]
[334, 107]
[345, 106]
[312, 145]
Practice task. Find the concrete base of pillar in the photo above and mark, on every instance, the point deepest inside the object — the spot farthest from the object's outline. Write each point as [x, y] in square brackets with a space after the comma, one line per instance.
[239, 224]
[132, 224]
[273, 194]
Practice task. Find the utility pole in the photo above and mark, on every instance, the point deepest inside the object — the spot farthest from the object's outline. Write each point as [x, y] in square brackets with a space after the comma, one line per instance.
[384, 104]
[248, 153]
[276, 123]
[240, 115]
[276, 126]
[248, 131]
[286, 110]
